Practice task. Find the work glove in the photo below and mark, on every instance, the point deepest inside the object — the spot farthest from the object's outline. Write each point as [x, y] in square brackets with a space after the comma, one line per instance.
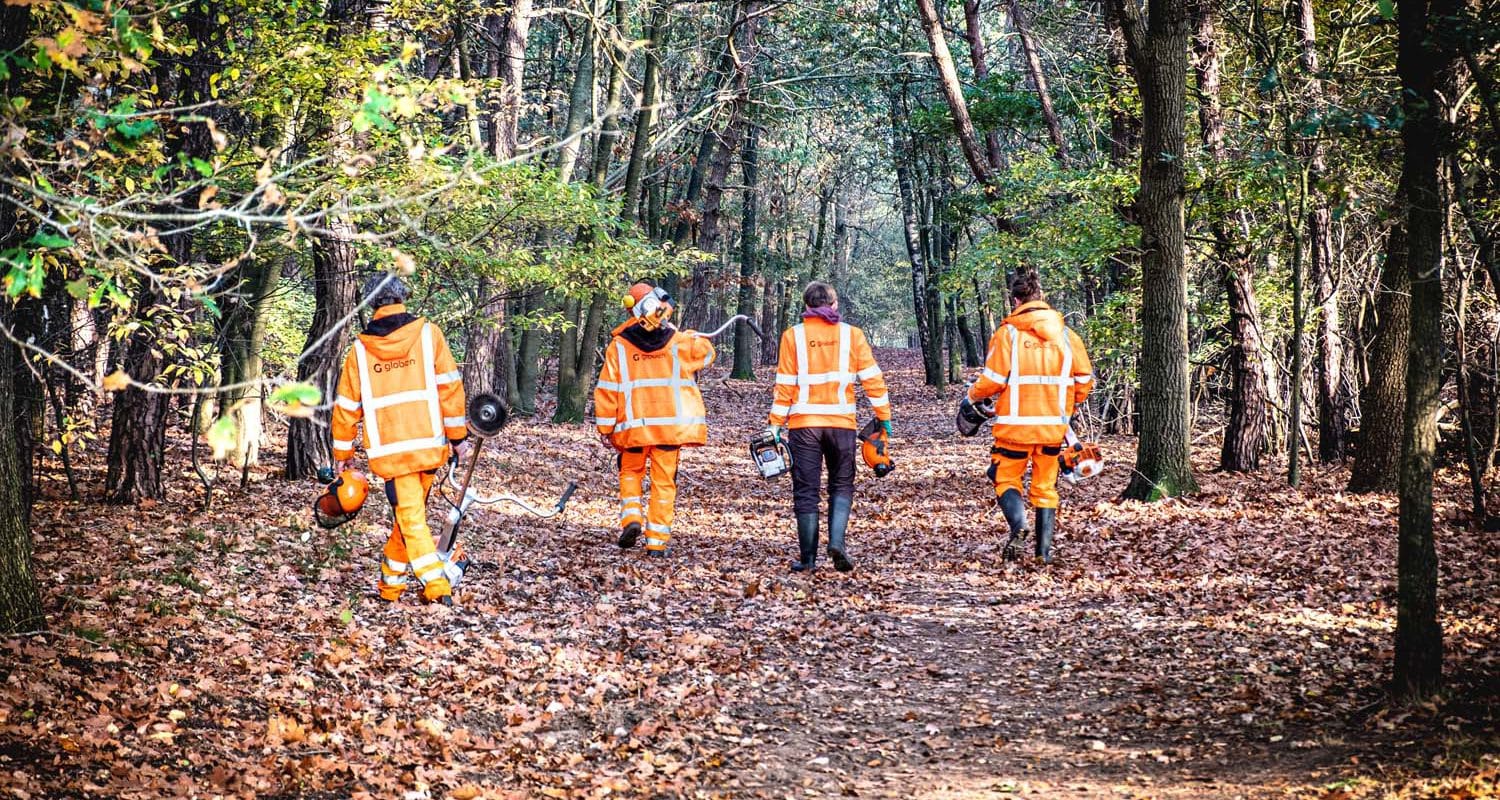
[776, 432]
[461, 450]
[886, 424]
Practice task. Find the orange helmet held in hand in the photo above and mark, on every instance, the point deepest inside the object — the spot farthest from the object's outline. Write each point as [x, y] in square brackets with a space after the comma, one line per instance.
[342, 499]
[874, 446]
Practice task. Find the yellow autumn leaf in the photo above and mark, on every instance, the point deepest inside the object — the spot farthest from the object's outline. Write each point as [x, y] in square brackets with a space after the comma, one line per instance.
[116, 381]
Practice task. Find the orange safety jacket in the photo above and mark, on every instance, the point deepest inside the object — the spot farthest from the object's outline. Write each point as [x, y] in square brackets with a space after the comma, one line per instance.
[1039, 372]
[815, 375]
[401, 381]
[647, 394]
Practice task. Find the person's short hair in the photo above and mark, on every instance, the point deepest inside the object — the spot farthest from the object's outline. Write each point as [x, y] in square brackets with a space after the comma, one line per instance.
[384, 289]
[1025, 286]
[819, 295]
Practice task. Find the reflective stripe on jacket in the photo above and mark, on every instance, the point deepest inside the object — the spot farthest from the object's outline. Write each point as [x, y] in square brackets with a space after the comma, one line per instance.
[650, 397]
[407, 391]
[1038, 371]
[816, 372]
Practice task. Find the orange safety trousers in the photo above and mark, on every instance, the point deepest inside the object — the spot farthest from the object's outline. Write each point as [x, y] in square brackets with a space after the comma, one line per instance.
[410, 543]
[656, 516]
[1010, 460]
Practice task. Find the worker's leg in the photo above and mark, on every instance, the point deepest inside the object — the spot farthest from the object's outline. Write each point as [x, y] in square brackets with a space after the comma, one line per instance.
[1009, 464]
[393, 566]
[1044, 469]
[839, 448]
[632, 465]
[411, 515]
[806, 447]
[663, 504]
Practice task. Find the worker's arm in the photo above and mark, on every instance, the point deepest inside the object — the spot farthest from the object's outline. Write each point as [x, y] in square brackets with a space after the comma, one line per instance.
[786, 380]
[1083, 371]
[870, 377]
[348, 409]
[450, 386]
[607, 393]
[994, 376]
[700, 355]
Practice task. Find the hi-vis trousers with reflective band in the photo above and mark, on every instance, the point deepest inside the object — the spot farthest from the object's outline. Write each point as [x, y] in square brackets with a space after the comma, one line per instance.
[656, 516]
[410, 544]
[1009, 461]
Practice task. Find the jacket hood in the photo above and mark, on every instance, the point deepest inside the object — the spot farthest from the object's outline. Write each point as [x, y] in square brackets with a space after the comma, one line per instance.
[1039, 319]
[387, 343]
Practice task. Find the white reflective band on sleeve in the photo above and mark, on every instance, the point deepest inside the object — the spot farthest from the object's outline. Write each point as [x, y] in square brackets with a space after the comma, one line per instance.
[1089, 378]
[347, 404]
[781, 410]
[343, 444]
[994, 376]
[786, 380]
[455, 422]
[607, 385]
[604, 422]
[448, 377]
[880, 402]
[868, 373]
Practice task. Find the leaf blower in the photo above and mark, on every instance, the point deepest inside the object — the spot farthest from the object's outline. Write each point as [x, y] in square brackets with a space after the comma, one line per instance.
[874, 446]
[342, 498]
[972, 417]
[1080, 460]
[770, 454]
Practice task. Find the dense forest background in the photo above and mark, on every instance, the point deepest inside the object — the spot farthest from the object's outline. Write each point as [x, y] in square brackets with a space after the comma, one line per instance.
[1274, 223]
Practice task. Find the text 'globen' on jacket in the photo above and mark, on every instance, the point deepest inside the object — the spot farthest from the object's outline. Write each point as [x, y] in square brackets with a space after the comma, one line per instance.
[647, 394]
[1040, 371]
[406, 388]
[819, 364]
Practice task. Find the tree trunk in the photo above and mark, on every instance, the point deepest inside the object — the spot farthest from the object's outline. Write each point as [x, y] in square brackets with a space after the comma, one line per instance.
[20, 604]
[510, 32]
[1033, 64]
[974, 32]
[954, 94]
[334, 297]
[1245, 432]
[244, 335]
[1382, 400]
[910, 225]
[580, 107]
[744, 340]
[483, 341]
[1333, 398]
[1158, 50]
[768, 347]
[645, 120]
[1421, 63]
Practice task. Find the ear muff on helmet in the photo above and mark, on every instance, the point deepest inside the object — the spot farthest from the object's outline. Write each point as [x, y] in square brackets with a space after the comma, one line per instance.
[652, 308]
[874, 447]
[342, 500]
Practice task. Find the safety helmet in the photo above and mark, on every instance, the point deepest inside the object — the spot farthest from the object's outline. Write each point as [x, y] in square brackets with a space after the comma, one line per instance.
[1081, 461]
[649, 304]
[972, 416]
[874, 447]
[342, 499]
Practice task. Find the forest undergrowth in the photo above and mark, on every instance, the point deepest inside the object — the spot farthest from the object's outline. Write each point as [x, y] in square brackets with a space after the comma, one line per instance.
[1228, 644]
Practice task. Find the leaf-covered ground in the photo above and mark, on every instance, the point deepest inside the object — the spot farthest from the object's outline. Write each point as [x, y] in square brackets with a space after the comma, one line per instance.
[1228, 645]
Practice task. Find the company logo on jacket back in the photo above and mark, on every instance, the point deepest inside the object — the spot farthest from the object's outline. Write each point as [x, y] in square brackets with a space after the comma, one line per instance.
[391, 366]
[645, 356]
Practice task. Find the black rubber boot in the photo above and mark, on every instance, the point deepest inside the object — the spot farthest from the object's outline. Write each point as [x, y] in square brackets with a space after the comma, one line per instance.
[807, 543]
[628, 536]
[1014, 509]
[838, 523]
[1046, 523]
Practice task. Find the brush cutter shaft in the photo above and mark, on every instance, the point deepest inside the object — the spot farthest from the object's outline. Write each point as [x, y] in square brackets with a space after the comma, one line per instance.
[730, 322]
[472, 497]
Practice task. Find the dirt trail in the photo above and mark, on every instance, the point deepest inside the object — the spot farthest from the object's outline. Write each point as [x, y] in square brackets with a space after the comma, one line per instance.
[1230, 645]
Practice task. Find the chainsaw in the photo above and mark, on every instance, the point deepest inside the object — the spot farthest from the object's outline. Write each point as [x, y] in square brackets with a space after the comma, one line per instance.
[1080, 460]
[487, 415]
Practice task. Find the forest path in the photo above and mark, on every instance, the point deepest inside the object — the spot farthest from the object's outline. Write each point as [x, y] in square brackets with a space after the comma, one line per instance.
[1232, 644]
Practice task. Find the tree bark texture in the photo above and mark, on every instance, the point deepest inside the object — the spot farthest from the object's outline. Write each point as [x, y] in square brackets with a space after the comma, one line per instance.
[1421, 63]
[744, 339]
[1382, 399]
[334, 296]
[1033, 65]
[953, 93]
[974, 33]
[1158, 49]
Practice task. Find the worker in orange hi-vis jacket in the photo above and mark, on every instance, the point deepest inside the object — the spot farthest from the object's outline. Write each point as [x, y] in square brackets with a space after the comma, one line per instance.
[647, 406]
[401, 382]
[1038, 372]
[821, 359]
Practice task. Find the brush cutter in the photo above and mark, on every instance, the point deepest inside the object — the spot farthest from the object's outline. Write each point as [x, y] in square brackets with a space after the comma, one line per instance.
[487, 415]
